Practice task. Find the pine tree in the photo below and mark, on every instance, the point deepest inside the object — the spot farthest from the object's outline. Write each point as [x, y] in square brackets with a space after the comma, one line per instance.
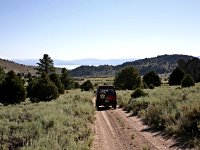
[66, 80]
[45, 65]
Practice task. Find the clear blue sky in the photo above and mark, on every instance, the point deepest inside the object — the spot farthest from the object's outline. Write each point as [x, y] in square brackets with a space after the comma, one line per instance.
[74, 29]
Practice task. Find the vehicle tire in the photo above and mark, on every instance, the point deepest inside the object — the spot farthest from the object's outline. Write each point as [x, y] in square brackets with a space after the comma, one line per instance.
[97, 105]
[97, 108]
[114, 106]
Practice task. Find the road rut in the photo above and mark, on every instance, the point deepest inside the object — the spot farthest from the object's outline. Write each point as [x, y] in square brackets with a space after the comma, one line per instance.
[117, 130]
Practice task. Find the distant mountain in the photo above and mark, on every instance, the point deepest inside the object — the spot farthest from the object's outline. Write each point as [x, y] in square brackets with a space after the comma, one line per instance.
[78, 62]
[29, 62]
[163, 64]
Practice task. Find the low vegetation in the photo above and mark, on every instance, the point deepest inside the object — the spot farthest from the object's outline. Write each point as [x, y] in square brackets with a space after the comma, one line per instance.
[87, 85]
[138, 93]
[59, 124]
[172, 109]
[187, 81]
[61, 121]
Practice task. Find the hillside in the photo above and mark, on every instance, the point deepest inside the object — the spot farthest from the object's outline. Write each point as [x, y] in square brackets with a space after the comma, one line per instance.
[8, 65]
[18, 68]
[161, 64]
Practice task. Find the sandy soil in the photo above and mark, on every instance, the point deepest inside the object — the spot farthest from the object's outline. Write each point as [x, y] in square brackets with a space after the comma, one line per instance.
[117, 130]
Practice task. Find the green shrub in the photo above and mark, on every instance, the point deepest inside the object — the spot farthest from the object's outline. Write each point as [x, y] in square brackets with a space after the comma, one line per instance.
[151, 86]
[138, 93]
[12, 89]
[144, 85]
[123, 98]
[31, 81]
[152, 78]
[127, 78]
[95, 84]
[154, 116]
[76, 85]
[56, 125]
[174, 110]
[43, 90]
[189, 121]
[87, 85]
[176, 76]
[135, 106]
[187, 81]
[56, 80]
[2, 74]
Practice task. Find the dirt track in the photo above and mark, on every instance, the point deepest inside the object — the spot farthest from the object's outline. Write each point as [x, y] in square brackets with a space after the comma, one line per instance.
[117, 130]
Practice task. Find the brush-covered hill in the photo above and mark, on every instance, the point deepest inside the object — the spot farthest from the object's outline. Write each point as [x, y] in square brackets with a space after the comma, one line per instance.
[8, 65]
[162, 64]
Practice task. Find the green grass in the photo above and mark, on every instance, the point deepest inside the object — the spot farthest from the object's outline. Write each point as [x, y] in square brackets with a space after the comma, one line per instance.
[59, 124]
[172, 109]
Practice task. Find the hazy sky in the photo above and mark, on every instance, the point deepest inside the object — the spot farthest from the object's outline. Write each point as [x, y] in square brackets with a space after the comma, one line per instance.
[73, 29]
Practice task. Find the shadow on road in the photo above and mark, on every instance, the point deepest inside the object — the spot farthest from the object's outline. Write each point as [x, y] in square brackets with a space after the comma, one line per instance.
[179, 142]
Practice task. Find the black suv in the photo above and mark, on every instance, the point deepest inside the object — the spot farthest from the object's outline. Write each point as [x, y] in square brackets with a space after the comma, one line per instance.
[106, 96]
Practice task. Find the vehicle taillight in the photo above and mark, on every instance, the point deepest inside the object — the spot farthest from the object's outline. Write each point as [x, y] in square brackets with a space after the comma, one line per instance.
[111, 97]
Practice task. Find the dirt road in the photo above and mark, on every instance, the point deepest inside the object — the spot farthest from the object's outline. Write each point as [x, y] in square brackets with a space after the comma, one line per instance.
[117, 130]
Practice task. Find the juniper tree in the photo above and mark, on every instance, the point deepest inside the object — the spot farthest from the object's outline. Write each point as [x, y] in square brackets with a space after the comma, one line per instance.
[127, 78]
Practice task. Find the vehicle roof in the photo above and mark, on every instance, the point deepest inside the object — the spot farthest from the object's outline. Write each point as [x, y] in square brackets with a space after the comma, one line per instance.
[106, 86]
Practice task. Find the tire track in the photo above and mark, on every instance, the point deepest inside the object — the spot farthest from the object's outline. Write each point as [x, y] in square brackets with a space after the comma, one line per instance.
[116, 130]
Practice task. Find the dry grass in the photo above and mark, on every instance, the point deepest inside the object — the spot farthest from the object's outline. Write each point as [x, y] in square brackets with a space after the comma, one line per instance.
[172, 109]
[59, 124]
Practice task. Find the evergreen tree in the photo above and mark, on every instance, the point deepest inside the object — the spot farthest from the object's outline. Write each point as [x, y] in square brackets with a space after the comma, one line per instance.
[42, 90]
[152, 78]
[187, 81]
[2, 74]
[66, 80]
[56, 80]
[176, 76]
[45, 65]
[12, 89]
[127, 78]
